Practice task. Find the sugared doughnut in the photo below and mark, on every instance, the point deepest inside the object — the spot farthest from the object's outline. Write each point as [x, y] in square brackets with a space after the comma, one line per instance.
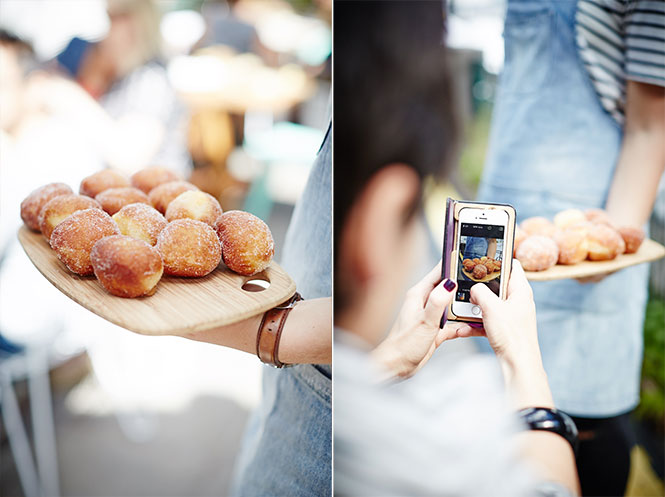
[247, 243]
[604, 243]
[58, 208]
[537, 253]
[189, 248]
[573, 246]
[150, 177]
[476, 260]
[161, 196]
[74, 238]
[33, 203]
[114, 199]
[194, 204]
[125, 266]
[96, 183]
[568, 217]
[538, 226]
[598, 216]
[468, 265]
[520, 236]
[480, 271]
[632, 237]
[140, 221]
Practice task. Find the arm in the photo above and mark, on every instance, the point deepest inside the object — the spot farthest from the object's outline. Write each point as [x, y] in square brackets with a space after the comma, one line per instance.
[510, 326]
[306, 338]
[642, 158]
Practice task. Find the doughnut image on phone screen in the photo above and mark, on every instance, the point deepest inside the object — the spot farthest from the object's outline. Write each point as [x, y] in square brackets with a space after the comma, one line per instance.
[480, 251]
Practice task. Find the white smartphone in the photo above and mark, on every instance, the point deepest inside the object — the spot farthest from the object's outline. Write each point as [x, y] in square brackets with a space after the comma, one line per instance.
[481, 251]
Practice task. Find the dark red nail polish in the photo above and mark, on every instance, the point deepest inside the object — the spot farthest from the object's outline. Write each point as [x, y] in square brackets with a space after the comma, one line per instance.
[449, 285]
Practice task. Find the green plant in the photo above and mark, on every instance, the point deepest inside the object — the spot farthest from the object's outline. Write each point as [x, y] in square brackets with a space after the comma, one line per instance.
[652, 396]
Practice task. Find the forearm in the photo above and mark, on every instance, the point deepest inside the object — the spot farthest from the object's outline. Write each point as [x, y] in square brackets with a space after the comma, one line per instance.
[642, 158]
[306, 337]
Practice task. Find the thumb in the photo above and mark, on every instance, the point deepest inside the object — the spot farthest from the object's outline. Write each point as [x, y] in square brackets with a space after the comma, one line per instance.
[484, 297]
[437, 302]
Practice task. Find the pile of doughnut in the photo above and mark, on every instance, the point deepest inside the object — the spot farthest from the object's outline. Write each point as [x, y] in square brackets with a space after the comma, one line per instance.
[481, 267]
[128, 232]
[572, 237]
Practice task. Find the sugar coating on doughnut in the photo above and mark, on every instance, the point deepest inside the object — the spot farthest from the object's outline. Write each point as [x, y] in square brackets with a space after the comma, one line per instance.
[538, 226]
[96, 183]
[479, 271]
[194, 204]
[114, 199]
[150, 177]
[189, 248]
[140, 221]
[604, 243]
[33, 203]
[520, 236]
[538, 253]
[598, 216]
[247, 243]
[573, 246]
[125, 266]
[632, 237]
[161, 196]
[74, 238]
[568, 217]
[59, 208]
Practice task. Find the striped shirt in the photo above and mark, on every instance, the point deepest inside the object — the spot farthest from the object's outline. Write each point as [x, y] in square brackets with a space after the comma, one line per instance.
[620, 41]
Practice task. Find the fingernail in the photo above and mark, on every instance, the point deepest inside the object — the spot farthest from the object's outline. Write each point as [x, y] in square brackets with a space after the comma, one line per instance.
[449, 285]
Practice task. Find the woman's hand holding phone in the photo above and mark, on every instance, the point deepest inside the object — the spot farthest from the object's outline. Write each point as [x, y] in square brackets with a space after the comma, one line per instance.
[510, 327]
[416, 334]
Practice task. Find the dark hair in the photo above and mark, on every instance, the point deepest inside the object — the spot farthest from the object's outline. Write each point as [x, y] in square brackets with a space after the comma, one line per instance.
[392, 95]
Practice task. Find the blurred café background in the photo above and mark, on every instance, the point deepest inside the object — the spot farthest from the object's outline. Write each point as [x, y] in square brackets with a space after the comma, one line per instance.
[234, 95]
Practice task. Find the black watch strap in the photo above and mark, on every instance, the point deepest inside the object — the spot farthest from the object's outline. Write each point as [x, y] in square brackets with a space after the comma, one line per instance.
[553, 420]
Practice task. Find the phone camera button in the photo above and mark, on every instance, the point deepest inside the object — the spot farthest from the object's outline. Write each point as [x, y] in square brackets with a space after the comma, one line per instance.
[475, 310]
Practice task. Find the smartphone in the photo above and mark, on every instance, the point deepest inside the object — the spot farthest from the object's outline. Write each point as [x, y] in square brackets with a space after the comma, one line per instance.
[481, 250]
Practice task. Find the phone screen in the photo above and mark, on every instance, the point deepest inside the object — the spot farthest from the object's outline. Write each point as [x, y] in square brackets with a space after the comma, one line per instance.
[481, 253]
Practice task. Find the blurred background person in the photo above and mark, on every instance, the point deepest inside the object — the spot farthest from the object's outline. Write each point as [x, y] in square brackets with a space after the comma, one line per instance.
[579, 123]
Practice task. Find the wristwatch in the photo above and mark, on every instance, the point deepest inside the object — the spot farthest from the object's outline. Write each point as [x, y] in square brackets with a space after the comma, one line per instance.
[270, 331]
[553, 420]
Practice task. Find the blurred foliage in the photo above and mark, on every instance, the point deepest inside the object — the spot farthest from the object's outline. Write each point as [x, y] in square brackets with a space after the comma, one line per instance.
[652, 397]
[475, 148]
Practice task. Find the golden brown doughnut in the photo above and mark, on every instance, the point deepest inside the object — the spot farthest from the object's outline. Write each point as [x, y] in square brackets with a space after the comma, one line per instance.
[74, 238]
[520, 236]
[161, 196]
[140, 221]
[538, 226]
[194, 204]
[537, 253]
[58, 208]
[468, 265]
[247, 243]
[96, 183]
[189, 248]
[33, 203]
[569, 217]
[633, 238]
[480, 271]
[125, 266]
[573, 246]
[604, 243]
[150, 177]
[114, 199]
[598, 216]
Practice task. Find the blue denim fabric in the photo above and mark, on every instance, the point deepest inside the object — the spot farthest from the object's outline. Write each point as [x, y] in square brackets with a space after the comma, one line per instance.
[287, 450]
[553, 147]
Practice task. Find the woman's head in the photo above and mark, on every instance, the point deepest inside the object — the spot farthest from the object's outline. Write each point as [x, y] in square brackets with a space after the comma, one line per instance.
[394, 126]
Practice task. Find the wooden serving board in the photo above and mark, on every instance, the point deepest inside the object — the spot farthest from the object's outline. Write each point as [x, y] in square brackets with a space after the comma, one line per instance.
[649, 251]
[180, 306]
[487, 278]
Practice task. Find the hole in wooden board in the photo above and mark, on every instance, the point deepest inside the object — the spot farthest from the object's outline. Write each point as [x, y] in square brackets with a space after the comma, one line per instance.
[255, 285]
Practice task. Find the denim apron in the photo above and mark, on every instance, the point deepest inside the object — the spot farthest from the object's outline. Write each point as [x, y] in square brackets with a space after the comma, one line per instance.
[288, 442]
[553, 147]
